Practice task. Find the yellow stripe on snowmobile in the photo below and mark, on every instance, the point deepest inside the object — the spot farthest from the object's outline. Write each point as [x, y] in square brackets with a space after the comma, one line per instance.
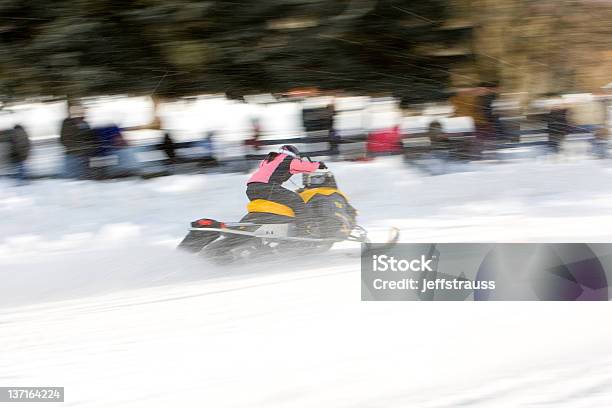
[308, 194]
[270, 207]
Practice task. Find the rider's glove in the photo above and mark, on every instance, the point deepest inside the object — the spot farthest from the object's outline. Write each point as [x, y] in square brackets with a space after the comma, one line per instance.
[322, 165]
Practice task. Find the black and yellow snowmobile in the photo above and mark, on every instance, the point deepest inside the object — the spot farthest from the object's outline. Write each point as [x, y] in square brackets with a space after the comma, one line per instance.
[269, 227]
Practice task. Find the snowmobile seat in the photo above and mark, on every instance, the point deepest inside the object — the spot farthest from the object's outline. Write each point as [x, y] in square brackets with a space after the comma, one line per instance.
[270, 207]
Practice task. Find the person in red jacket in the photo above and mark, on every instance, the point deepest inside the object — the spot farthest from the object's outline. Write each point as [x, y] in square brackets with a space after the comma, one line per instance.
[274, 170]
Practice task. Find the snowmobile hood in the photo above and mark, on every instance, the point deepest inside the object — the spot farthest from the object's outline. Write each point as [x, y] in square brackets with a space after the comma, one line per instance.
[270, 207]
[307, 195]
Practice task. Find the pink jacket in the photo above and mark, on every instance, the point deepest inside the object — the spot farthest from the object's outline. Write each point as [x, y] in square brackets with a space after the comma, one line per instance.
[280, 169]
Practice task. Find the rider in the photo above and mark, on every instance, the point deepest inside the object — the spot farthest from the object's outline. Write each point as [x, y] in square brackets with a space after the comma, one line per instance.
[274, 170]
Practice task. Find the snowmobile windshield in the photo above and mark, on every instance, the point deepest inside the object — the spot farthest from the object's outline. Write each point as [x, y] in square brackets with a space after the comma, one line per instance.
[314, 180]
[317, 180]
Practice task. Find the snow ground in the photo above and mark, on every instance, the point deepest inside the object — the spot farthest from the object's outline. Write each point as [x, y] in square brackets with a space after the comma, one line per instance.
[95, 298]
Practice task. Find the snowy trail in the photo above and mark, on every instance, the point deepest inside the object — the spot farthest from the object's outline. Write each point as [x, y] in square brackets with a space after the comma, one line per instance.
[306, 341]
[94, 298]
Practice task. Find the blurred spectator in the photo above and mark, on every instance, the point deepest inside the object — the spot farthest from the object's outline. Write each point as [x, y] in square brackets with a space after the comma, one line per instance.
[318, 121]
[107, 136]
[557, 123]
[169, 147]
[114, 144]
[490, 126]
[385, 141]
[80, 143]
[509, 113]
[437, 136]
[440, 145]
[15, 148]
[21, 150]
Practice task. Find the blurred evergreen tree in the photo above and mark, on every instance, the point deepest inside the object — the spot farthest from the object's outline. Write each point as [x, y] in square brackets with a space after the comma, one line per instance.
[178, 47]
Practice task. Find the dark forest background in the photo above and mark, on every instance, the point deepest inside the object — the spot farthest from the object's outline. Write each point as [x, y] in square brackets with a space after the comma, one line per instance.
[182, 47]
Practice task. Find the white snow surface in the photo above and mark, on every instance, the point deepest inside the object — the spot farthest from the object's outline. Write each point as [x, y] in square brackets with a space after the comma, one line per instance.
[95, 298]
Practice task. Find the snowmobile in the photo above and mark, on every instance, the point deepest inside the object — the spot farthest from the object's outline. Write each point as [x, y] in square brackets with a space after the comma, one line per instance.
[269, 227]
